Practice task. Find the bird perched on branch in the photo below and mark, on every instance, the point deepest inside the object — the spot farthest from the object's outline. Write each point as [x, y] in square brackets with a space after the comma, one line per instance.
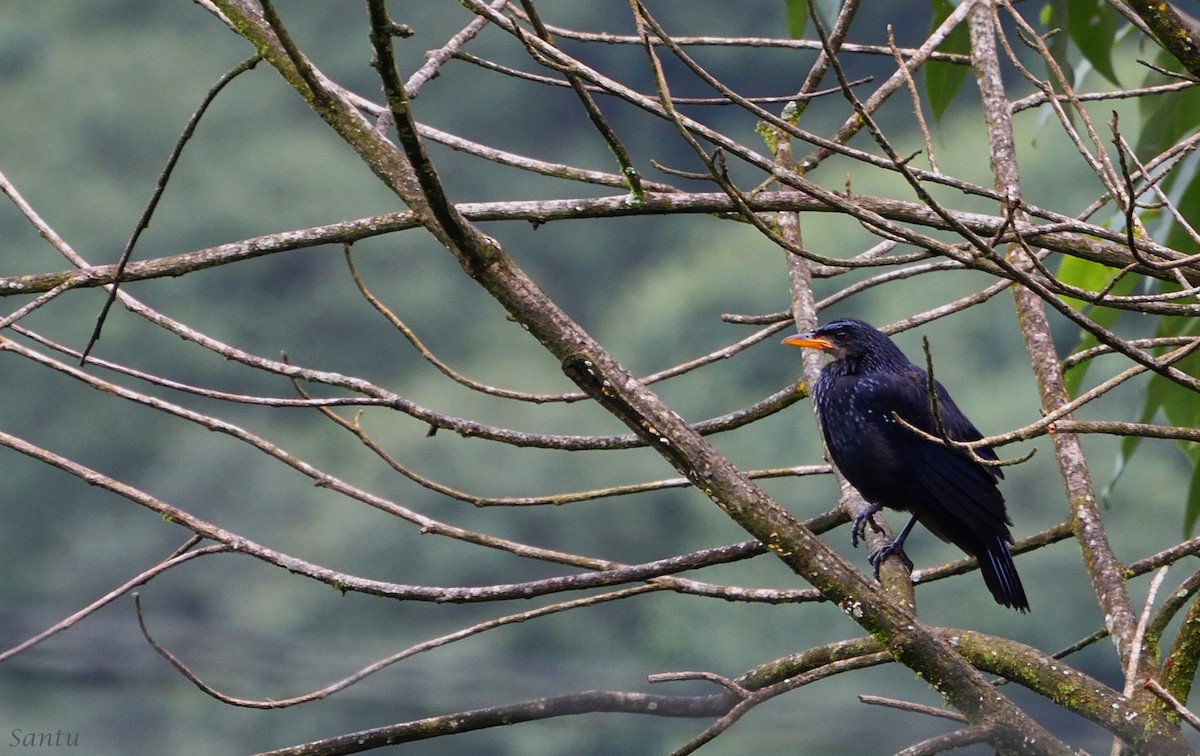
[861, 397]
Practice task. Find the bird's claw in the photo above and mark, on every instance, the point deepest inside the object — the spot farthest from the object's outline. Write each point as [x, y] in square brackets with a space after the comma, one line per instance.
[895, 548]
[859, 530]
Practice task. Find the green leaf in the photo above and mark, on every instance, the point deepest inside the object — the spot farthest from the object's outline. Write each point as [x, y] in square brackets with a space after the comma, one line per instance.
[1073, 377]
[1180, 406]
[1187, 201]
[1156, 390]
[1192, 512]
[1165, 117]
[1092, 276]
[1092, 25]
[1192, 507]
[1056, 15]
[943, 80]
[1164, 121]
[797, 17]
[1085, 274]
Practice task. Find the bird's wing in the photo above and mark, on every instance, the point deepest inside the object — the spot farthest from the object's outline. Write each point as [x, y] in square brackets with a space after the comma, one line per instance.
[957, 426]
[955, 496]
[958, 495]
[909, 393]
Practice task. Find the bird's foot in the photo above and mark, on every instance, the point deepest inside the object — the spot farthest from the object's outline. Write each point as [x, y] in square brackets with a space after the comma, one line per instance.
[859, 531]
[895, 548]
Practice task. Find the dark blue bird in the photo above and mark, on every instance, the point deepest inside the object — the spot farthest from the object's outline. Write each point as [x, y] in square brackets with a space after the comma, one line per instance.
[858, 397]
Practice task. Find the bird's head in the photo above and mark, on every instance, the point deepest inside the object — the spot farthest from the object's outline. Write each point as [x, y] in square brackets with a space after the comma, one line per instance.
[858, 345]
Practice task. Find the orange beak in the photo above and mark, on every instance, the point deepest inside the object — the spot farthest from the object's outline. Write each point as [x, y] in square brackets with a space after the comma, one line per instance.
[804, 340]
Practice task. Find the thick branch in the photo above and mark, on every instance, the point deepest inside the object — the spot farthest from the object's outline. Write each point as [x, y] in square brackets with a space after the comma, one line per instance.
[1103, 567]
[1178, 38]
[1075, 238]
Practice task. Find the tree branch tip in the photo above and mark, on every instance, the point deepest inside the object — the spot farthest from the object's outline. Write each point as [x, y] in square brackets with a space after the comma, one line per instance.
[728, 683]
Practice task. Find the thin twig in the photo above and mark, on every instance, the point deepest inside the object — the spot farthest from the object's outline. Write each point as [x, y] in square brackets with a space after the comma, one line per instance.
[1175, 704]
[348, 681]
[911, 706]
[183, 554]
[160, 187]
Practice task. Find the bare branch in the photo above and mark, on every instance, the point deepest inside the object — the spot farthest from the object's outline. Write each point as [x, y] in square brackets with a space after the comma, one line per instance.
[183, 554]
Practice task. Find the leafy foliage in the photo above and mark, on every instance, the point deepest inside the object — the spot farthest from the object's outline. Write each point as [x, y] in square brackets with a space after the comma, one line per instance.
[1092, 25]
[943, 80]
[797, 17]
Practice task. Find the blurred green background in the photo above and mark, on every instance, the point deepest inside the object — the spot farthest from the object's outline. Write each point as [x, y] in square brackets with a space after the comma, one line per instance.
[95, 94]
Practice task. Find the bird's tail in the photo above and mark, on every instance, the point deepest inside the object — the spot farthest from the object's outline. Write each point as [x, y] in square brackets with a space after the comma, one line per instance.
[1000, 575]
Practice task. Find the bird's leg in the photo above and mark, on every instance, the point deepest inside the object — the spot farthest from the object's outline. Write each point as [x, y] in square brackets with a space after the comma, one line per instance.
[895, 548]
[859, 530]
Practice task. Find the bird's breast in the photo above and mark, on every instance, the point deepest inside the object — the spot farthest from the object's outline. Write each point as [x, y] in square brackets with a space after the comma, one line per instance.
[859, 432]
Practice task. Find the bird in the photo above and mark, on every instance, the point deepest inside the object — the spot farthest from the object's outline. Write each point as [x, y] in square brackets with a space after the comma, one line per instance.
[860, 398]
